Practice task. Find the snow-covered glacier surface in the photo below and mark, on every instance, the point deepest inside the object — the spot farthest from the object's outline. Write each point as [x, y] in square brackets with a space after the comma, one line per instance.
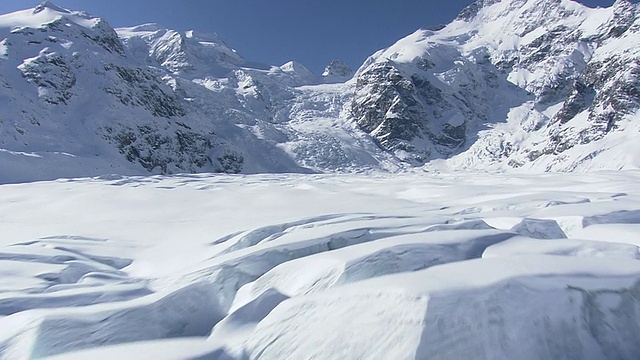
[410, 266]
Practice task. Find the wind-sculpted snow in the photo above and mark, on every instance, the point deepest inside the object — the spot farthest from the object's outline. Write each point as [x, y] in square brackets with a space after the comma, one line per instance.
[529, 307]
[392, 254]
[427, 265]
[562, 247]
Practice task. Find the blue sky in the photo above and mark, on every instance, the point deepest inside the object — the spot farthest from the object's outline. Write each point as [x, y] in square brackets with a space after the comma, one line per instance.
[276, 31]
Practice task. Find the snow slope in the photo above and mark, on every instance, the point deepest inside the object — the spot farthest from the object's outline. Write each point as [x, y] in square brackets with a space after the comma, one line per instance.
[80, 98]
[536, 85]
[540, 85]
[423, 265]
[508, 85]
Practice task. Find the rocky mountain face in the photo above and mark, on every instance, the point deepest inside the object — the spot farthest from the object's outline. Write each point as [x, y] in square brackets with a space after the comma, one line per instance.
[336, 72]
[550, 85]
[423, 110]
[511, 84]
[75, 98]
[81, 98]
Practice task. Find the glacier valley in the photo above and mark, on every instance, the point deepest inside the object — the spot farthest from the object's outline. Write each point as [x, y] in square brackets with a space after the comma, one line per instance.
[511, 85]
[469, 192]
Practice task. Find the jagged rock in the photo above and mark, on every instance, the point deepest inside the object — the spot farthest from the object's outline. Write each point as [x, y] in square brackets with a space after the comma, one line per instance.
[546, 85]
[392, 116]
[52, 74]
[144, 89]
[337, 71]
[559, 53]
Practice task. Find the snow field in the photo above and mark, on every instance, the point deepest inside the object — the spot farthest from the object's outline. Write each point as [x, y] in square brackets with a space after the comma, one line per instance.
[410, 266]
[532, 307]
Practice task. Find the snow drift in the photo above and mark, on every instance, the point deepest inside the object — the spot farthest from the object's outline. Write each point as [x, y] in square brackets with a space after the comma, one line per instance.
[332, 266]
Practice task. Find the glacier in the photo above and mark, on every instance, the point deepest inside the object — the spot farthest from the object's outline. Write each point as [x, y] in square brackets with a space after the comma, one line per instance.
[513, 85]
[290, 266]
[470, 191]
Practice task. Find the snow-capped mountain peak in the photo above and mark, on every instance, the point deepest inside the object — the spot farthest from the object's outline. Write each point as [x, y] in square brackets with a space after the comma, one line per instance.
[46, 13]
[299, 73]
[189, 53]
[51, 6]
[337, 71]
[511, 84]
[295, 67]
[513, 54]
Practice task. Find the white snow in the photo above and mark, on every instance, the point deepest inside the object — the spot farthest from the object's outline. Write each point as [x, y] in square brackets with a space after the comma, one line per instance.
[55, 63]
[169, 349]
[288, 266]
[44, 14]
[529, 307]
[363, 265]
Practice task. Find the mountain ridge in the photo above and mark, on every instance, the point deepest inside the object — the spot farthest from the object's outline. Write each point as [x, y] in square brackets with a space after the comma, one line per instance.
[508, 85]
[543, 48]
